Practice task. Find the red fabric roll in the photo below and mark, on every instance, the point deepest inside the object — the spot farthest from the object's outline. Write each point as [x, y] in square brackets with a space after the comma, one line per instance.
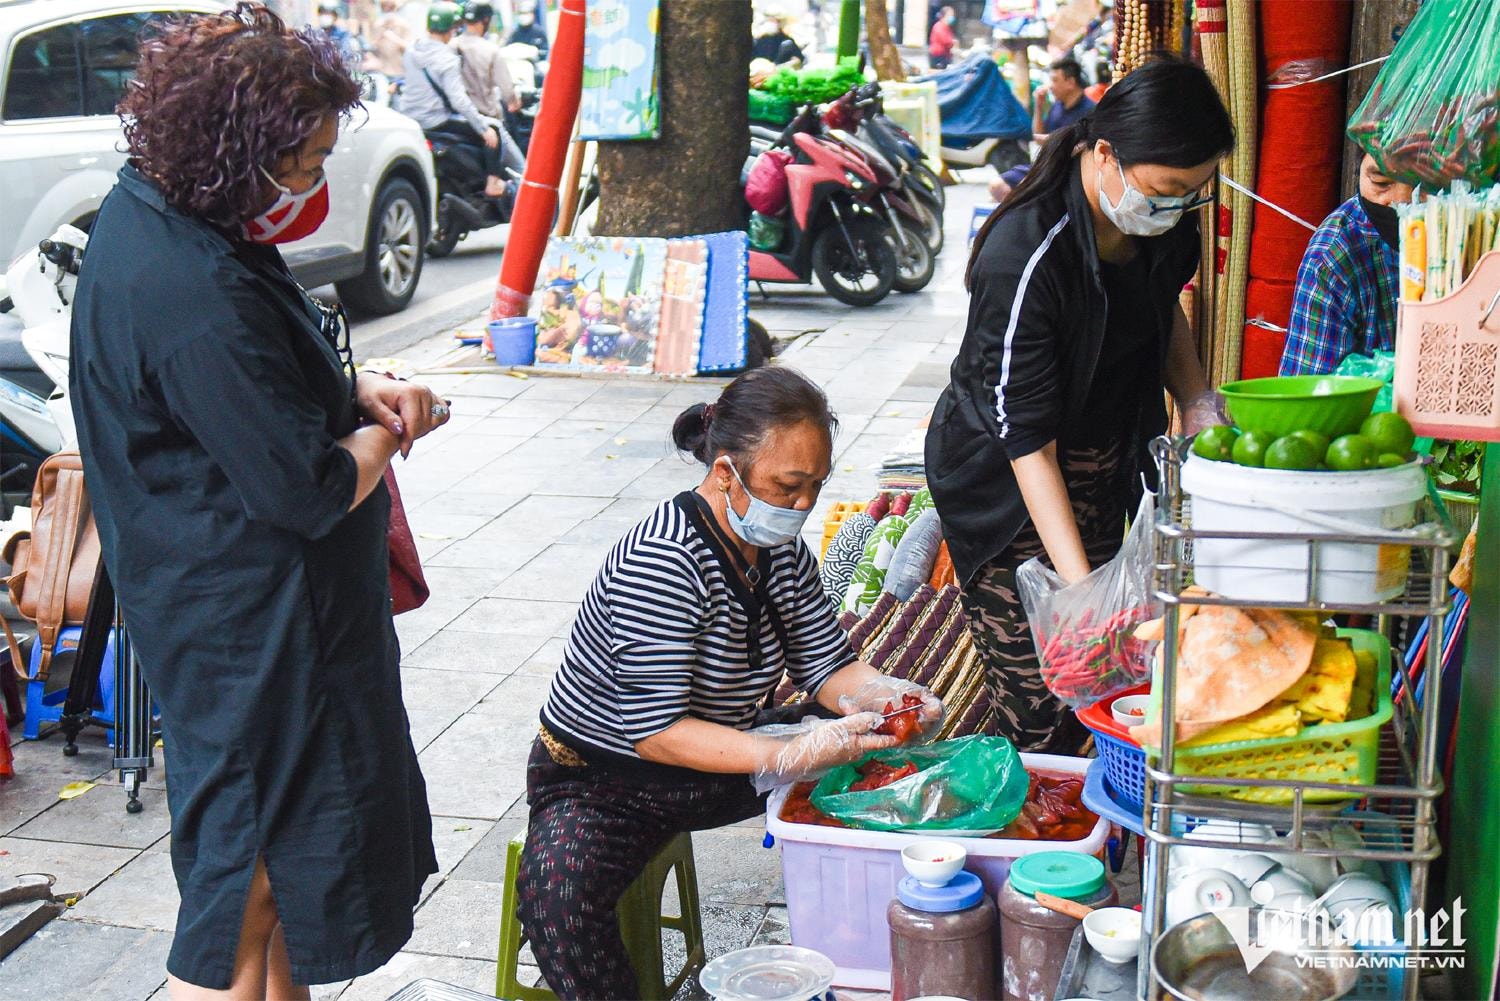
[1301, 129]
[1271, 303]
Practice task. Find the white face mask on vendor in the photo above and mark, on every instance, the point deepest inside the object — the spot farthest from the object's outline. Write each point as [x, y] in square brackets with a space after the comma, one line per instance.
[1134, 214]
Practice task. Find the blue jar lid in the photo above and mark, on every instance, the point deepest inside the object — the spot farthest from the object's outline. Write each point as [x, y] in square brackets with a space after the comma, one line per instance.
[964, 892]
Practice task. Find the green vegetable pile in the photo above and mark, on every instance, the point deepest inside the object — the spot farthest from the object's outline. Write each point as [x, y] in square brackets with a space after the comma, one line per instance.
[1457, 465]
[812, 86]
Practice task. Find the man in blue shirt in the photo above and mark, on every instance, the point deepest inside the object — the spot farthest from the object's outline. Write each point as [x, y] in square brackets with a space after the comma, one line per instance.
[1348, 284]
[1069, 102]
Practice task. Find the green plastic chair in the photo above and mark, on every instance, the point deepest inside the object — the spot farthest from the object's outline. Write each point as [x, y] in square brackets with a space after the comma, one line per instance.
[641, 923]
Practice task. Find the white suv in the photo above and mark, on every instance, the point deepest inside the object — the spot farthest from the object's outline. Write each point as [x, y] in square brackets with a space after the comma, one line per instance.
[63, 67]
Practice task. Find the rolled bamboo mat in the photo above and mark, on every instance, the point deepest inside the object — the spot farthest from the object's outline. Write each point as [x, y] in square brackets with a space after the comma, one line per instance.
[1213, 43]
[1243, 110]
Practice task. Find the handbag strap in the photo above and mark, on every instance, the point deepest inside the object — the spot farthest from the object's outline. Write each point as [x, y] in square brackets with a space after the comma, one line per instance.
[15, 651]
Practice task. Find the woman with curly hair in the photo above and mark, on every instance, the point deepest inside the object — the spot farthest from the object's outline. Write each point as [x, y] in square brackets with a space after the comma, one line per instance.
[234, 461]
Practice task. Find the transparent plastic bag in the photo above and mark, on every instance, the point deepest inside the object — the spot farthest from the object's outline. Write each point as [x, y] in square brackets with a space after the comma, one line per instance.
[1433, 114]
[1085, 632]
[969, 784]
[1381, 365]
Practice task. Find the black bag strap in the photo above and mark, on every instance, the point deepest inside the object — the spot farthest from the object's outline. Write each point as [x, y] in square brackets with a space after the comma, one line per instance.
[442, 94]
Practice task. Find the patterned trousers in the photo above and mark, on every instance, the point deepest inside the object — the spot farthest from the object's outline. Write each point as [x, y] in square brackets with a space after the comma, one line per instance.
[591, 833]
[1025, 712]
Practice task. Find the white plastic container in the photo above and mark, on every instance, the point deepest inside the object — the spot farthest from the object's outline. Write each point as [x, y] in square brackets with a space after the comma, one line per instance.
[1227, 497]
[839, 882]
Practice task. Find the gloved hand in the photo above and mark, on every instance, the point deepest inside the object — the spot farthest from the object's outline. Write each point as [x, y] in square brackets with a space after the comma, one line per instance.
[810, 748]
[873, 696]
[1204, 410]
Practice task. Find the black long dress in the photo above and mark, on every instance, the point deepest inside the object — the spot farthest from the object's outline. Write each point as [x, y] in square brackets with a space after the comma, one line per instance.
[208, 403]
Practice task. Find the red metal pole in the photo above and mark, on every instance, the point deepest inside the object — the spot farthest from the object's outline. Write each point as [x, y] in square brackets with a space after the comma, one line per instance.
[536, 202]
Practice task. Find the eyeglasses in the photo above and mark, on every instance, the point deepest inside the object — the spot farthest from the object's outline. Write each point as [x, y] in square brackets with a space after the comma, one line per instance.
[1186, 203]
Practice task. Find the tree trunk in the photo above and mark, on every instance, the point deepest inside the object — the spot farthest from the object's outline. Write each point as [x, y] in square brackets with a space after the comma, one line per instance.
[686, 182]
[882, 50]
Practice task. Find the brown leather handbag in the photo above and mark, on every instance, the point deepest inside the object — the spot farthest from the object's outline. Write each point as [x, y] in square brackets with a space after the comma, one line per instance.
[53, 566]
[409, 589]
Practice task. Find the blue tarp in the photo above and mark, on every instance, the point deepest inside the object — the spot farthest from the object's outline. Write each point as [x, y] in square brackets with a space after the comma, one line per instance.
[976, 103]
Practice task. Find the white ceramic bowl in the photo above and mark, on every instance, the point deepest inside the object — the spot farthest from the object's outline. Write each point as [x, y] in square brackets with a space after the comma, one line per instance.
[1114, 932]
[1121, 707]
[933, 863]
[1203, 891]
[1249, 869]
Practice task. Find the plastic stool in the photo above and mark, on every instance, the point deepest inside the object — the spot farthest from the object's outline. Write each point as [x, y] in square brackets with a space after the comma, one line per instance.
[43, 706]
[641, 922]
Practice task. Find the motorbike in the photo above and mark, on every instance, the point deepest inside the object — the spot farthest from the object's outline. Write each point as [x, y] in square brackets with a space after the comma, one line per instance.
[463, 207]
[832, 231]
[983, 123]
[36, 418]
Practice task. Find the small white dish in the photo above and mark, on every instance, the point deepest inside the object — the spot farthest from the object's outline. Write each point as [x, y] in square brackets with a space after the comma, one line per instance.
[1250, 868]
[1114, 932]
[1130, 710]
[1279, 881]
[933, 863]
[1202, 892]
[1349, 896]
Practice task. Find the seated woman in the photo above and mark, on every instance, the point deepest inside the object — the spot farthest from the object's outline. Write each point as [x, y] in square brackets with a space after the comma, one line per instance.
[695, 616]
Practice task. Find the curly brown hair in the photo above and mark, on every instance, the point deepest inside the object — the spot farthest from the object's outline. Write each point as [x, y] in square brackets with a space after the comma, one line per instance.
[217, 96]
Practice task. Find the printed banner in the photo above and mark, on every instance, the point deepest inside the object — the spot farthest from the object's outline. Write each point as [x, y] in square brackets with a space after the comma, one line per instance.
[619, 71]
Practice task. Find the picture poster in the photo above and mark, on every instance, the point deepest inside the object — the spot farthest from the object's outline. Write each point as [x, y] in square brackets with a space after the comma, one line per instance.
[619, 99]
[683, 293]
[599, 303]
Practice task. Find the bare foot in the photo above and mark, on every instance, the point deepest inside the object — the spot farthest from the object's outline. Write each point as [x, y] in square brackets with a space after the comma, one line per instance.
[494, 187]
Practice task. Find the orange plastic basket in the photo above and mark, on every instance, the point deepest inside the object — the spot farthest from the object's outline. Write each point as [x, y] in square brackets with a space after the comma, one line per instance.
[836, 517]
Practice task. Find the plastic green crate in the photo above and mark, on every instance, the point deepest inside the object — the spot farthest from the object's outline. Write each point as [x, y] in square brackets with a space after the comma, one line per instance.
[1345, 753]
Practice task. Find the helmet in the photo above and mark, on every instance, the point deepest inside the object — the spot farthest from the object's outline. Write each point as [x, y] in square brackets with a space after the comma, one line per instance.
[474, 13]
[442, 16]
[328, 7]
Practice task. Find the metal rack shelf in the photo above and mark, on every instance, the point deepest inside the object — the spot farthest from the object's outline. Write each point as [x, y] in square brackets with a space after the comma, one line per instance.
[1396, 817]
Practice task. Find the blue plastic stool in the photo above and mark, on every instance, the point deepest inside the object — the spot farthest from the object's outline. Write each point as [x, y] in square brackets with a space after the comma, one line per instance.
[43, 706]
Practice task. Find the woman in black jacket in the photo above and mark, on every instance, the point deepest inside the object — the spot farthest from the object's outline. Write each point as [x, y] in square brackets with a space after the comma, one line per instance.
[1037, 445]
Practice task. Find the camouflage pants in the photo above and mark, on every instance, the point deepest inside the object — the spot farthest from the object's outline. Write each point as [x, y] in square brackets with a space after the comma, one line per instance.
[1101, 491]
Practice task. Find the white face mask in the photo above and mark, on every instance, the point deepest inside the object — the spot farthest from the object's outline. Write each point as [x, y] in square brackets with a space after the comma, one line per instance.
[763, 524]
[1137, 215]
[327, 21]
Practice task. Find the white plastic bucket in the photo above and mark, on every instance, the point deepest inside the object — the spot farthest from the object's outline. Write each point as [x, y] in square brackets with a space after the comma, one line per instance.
[1226, 497]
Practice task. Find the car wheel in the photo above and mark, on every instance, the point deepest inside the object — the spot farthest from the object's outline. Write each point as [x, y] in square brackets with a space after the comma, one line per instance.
[393, 253]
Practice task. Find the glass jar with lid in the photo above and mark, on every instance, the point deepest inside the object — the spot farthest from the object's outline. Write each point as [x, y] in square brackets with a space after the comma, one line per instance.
[1034, 940]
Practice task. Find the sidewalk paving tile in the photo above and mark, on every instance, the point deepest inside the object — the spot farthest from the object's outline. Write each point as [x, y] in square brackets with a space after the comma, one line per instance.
[462, 918]
[98, 817]
[477, 652]
[77, 867]
[81, 962]
[143, 894]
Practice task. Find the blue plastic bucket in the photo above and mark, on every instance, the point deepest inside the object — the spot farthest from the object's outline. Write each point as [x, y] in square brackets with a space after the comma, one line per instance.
[513, 340]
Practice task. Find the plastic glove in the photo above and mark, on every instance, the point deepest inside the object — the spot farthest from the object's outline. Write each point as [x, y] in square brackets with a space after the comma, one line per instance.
[810, 748]
[874, 696]
[1204, 410]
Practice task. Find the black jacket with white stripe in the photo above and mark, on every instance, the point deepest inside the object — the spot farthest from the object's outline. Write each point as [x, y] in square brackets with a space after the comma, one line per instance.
[1022, 375]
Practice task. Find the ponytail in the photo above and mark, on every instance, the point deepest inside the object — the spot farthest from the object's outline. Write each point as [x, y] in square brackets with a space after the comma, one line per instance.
[1047, 174]
[1166, 112]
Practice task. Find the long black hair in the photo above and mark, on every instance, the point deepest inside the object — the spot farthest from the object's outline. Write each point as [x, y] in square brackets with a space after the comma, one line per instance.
[747, 411]
[1167, 112]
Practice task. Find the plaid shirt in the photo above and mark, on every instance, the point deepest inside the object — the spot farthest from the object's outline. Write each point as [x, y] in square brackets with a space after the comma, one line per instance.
[1346, 295]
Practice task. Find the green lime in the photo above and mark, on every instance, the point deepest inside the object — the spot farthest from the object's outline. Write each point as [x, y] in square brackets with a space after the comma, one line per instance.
[1351, 453]
[1316, 439]
[1291, 453]
[1390, 432]
[1215, 442]
[1389, 460]
[1250, 448]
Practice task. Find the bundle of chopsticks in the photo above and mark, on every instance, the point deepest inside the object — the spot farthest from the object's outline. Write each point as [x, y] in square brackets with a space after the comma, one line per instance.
[1443, 238]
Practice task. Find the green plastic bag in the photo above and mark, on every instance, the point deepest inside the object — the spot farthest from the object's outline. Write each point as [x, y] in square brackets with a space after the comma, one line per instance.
[1381, 365]
[969, 784]
[766, 232]
[1432, 116]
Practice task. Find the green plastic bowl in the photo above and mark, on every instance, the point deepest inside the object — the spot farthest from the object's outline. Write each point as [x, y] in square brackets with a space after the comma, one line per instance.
[1329, 404]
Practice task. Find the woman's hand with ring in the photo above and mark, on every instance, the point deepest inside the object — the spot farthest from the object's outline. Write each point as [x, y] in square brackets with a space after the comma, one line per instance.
[408, 410]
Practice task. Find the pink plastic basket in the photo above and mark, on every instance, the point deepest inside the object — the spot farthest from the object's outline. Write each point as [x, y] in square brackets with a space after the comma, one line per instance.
[1447, 379]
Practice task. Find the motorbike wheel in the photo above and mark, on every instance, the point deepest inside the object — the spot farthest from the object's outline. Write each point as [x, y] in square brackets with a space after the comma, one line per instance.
[445, 237]
[858, 276]
[1008, 153]
[932, 226]
[914, 261]
[931, 180]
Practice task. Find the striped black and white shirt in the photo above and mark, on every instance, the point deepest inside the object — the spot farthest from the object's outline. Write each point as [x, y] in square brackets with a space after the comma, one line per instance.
[666, 632]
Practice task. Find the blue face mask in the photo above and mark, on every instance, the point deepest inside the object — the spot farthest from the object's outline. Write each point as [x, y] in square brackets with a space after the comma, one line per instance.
[763, 524]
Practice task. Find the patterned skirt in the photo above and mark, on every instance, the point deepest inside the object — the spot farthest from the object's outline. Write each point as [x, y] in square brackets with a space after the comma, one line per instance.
[1102, 490]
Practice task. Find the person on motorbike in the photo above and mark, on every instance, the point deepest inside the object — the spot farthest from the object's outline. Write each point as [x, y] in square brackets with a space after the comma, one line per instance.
[486, 78]
[434, 93]
[391, 36]
[528, 32]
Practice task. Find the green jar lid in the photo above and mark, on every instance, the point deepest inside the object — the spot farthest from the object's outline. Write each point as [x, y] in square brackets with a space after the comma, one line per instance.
[1071, 875]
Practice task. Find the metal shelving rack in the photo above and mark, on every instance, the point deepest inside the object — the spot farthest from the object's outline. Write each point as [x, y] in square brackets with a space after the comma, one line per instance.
[1401, 807]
